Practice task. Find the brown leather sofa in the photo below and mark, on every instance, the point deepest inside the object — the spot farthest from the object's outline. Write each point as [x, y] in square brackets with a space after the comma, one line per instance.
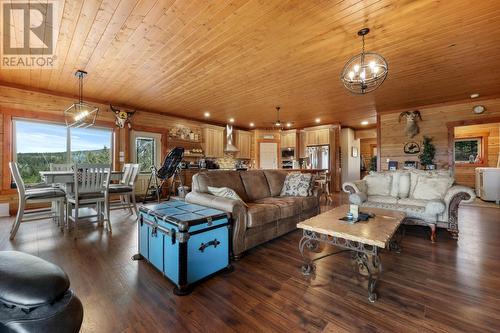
[267, 216]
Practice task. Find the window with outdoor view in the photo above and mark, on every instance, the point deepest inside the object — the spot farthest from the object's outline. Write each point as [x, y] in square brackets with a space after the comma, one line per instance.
[468, 150]
[90, 145]
[145, 152]
[38, 144]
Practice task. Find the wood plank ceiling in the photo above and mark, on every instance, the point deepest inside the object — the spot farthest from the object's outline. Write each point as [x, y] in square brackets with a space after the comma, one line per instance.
[240, 58]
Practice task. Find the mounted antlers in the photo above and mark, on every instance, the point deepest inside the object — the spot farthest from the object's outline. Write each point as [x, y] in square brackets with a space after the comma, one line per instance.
[411, 128]
[122, 117]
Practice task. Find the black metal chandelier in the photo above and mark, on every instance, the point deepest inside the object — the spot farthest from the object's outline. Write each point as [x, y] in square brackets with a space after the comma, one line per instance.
[364, 72]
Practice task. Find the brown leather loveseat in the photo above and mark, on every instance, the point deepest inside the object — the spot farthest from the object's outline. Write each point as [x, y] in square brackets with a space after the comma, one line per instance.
[267, 216]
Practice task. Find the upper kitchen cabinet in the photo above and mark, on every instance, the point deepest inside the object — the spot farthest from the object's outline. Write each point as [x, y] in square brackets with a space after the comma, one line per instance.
[289, 139]
[213, 141]
[315, 137]
[244, 144]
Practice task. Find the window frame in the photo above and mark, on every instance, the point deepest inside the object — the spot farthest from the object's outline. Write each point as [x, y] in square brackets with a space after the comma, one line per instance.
[481, 149]
[142, 137]
[68, 159]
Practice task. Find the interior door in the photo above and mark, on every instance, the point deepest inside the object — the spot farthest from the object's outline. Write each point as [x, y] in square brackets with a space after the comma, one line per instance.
[268, 155]
[146, 151]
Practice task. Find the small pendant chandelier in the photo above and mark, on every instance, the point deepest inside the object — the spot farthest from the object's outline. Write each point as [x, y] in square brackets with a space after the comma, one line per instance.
[364, 72]
[80, 114]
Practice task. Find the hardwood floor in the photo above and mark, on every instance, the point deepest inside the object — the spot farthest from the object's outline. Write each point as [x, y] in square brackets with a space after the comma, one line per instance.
[448, 286]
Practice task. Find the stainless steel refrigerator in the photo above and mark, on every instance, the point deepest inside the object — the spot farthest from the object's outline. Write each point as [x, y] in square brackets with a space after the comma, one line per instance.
[318, 157]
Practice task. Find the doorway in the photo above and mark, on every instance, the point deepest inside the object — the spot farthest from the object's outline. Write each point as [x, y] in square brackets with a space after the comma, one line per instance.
[146, 151]
[268, 155]
[474, 146]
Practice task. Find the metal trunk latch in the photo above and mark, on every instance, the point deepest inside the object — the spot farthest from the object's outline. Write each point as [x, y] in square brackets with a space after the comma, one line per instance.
[209, 221]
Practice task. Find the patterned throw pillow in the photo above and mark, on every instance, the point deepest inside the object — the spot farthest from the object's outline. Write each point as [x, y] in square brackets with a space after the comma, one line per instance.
[297, 185]
[225, 192]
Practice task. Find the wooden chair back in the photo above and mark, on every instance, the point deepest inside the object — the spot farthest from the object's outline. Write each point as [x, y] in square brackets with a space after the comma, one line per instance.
[134, 172]
[91, 178]
[127, 168]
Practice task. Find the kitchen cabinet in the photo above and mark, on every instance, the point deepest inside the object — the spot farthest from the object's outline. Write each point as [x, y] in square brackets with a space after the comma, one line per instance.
[288, 139]
[323, 136]
[244, 144]
[213, 141]
[303, 145]
[317, 137]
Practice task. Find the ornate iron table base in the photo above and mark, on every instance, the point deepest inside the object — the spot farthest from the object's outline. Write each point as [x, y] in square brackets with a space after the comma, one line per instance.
[365, 258]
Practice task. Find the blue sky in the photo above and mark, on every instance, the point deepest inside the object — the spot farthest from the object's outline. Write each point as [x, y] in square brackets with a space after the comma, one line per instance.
[33, 137]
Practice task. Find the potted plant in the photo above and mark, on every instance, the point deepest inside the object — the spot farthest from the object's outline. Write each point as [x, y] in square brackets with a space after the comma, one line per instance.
[373, 163]
[428, 153]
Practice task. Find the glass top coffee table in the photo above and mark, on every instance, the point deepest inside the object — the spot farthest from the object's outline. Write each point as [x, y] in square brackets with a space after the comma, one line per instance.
[364, 239]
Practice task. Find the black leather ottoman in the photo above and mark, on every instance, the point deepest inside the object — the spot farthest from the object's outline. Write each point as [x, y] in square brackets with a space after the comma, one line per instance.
[35, 296]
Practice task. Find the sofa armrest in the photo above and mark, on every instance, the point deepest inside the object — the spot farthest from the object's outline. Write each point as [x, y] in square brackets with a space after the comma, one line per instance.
[212, 201]
[357, 186]
[452, 199]
[237, 209]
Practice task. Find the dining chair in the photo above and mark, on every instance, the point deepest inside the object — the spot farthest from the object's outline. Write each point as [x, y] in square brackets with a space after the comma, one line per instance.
[126, 188]
[53, 195]
[324, 180]
[90, 189]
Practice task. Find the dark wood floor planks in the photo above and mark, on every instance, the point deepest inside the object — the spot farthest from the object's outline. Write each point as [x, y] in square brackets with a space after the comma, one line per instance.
[448, 286]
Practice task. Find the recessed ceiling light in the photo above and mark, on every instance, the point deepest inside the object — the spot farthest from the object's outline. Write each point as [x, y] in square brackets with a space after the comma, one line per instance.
[231, 120]
[288, 125]
[252, 124]
[318, 120]
[475, 95]
[364, 122]
[206, 114]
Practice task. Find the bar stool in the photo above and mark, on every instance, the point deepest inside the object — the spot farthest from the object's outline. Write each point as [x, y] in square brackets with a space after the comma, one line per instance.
[324, 180]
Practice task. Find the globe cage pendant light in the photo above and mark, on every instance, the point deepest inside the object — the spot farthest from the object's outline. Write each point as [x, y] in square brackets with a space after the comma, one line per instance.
[80, 114]
[366, 71]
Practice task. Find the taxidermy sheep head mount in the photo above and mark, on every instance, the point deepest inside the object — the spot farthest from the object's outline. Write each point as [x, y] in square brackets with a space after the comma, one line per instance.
[122, 117]
[411, 127]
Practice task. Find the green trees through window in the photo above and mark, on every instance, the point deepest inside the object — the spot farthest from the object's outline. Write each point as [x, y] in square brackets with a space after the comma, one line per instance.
[467, 150]
[145, 152]
[38, 144]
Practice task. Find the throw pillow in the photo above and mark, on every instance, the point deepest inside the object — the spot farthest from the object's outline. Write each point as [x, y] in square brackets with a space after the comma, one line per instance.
[395, 184]
[225, 192]
[378, 184]
[296, 185]
[404, 185]
[431, 188]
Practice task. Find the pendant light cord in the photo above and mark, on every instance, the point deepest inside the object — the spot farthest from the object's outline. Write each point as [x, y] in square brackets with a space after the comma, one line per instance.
[81, 89]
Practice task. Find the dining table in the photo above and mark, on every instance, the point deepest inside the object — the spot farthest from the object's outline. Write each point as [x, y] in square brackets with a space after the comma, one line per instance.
[66, 179]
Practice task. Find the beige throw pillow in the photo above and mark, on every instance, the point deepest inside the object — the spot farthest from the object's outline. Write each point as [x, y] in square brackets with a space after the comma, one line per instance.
[378, 184]
[225, 192]
[431, 188]
[404, 185]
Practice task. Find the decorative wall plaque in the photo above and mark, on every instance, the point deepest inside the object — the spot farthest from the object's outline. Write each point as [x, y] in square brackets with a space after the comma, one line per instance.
[412, 148]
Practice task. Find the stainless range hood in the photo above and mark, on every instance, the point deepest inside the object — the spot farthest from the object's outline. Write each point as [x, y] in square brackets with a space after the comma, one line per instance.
[230, 147]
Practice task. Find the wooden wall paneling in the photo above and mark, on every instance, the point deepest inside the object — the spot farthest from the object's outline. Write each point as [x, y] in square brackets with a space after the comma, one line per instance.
[436, 123]
[7, 151]
[379, 142]
[116, 149]
[368, 133]
[2, 148]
